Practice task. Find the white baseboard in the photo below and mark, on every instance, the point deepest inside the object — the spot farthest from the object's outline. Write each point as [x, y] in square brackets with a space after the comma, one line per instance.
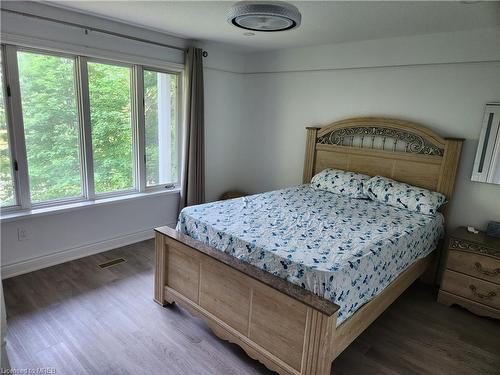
[33, 264]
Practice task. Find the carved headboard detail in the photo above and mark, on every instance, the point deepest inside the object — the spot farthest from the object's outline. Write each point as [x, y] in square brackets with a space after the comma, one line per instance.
[389, 139]
[401, 150]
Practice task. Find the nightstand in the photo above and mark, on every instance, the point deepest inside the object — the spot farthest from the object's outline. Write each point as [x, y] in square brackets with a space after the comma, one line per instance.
[472, 273]
[232, 194]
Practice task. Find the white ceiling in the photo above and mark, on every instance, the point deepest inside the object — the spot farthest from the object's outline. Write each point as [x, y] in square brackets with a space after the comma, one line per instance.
[323, 22]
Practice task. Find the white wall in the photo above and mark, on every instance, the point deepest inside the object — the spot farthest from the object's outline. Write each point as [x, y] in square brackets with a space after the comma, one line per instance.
[56, 238]
[223, 129]
[459, 46]
[224, 121]
[441, 80]
[443, 88]
[448, 98]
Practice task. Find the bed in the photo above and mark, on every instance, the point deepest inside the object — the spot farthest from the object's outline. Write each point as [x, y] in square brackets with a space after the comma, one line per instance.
[293, 276]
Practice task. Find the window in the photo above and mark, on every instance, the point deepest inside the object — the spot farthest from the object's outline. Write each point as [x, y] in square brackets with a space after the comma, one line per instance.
[160, 117]
[7, 193]
[50, 117]
[84, 129]
[110, 116]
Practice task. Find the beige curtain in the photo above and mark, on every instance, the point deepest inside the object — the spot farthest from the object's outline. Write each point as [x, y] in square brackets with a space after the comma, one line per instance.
[193, 167]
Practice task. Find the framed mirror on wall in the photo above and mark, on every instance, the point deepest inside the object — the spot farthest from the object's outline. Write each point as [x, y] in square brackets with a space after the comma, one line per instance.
[487, 162]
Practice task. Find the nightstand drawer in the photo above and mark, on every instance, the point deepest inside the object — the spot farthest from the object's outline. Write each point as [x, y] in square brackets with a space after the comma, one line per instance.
[471, 288]
[479, 266]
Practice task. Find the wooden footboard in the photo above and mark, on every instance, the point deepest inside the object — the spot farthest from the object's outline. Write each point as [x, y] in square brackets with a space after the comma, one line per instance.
[287, 328]
[285, 334]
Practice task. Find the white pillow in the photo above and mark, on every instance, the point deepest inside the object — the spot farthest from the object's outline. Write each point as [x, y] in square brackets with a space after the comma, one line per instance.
[399, 194]
[340, 182]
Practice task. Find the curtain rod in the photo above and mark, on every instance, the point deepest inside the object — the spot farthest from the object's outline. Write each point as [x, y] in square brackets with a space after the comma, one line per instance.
[103, 31]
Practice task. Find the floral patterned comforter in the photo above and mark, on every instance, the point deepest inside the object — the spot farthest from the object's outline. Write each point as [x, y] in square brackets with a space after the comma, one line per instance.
[344, 249]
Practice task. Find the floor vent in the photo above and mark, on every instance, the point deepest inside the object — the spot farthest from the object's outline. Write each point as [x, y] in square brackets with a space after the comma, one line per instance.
[111, 263]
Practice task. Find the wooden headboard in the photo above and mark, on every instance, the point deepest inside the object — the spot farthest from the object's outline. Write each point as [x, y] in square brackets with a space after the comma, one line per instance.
[401, 150]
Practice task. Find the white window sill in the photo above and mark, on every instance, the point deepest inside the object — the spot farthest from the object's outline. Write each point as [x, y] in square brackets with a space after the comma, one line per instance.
[23, 214]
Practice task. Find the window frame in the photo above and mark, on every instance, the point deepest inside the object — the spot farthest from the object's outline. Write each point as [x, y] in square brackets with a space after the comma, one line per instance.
[15, 127]
[142, 125]
[24, 177]
[133, 120]
[6, 99]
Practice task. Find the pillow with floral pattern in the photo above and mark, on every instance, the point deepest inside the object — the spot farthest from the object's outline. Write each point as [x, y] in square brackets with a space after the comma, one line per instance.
[340, 182]
[399, 194]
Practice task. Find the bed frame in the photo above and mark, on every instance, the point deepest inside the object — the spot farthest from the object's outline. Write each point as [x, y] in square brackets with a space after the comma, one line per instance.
[285, 327]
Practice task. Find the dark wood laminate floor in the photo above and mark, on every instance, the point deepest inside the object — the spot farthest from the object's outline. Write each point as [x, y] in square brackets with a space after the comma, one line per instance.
[79, 319]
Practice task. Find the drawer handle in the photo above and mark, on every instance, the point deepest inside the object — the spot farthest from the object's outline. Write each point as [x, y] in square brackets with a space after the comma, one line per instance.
[474, 291]
[479, 268]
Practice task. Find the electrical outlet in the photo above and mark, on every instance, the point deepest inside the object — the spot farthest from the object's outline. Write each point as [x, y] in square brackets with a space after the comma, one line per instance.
[22, 234]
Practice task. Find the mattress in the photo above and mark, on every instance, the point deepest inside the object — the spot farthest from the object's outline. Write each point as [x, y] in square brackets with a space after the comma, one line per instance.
[343, 249]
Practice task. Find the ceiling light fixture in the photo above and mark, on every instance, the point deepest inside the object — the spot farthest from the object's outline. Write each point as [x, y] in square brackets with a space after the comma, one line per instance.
[265, 16]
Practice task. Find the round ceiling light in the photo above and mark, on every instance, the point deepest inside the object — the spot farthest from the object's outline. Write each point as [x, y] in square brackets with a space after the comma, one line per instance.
[266, 16]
